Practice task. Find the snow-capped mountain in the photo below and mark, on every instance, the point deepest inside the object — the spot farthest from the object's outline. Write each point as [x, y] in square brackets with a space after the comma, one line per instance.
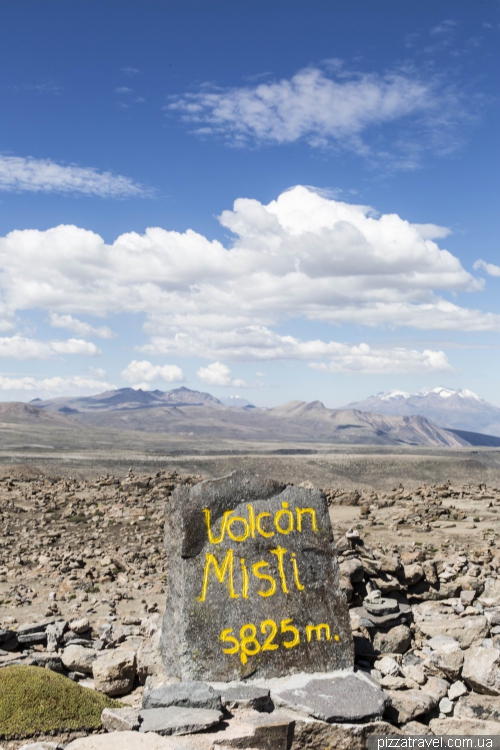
[459, 409]
[237, 401]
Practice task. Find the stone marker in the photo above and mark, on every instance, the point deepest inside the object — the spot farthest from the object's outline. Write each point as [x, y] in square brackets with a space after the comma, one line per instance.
[253, 583]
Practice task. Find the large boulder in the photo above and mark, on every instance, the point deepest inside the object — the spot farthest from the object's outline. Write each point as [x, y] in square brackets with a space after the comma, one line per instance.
[481, 670]
[79, 658]
[465, 630]
[253, 585]
[394, 641]
[114, 672]
[407, 705]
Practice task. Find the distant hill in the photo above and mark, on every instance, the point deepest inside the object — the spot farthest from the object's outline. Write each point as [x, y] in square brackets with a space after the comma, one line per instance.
[456, 409]
[183, 411]
[127, 398]
[15, 412]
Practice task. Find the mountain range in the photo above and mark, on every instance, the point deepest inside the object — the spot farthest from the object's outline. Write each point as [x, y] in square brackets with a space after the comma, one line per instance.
[183, 411]
[460, 410]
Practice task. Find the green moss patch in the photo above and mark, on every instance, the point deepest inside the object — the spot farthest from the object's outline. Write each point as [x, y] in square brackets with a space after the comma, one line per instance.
[37, 701]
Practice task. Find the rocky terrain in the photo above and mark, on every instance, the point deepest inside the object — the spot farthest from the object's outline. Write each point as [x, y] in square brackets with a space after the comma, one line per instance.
[82, 573]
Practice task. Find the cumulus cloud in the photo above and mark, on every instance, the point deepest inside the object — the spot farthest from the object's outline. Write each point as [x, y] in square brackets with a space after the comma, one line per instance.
[260, 343]
[20, 347]
[218, 373]
[145, 373]
[364, 359]
[490, 268]
[323, 107]
[303, 256]
[79, 327]
[432, 231]
[25, 174]
[48, 387]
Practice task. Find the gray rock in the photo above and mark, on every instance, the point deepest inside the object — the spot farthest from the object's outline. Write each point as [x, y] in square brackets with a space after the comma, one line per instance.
[49, 661]
[467, 597]
[491, 594]
[436, 687]
[456, 690]
[481, 670]
[336, 699]
[80, 626]
[474, 706]
[258, 731]
[443, 643]
[114, 672]
[177, 720]
[42, 746]
[289, 579]
[445, 705]
[407, 705]
[465, 630]
[127, 741]
[388, 666]
[316, 735]
[394, 641]
[446, 664]
[415, 727]
[464, 727]
[33, 627]
[186, 694]
[120, 719]
[55, 633]
[79, 659]
[247, 696]
[8, 640]
[26, 639]
[352, 569]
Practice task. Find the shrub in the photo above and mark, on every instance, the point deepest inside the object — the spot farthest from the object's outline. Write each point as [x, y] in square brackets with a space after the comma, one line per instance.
[37, 701]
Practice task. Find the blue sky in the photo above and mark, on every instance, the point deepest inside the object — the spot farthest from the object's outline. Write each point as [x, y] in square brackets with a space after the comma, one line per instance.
[287, 200]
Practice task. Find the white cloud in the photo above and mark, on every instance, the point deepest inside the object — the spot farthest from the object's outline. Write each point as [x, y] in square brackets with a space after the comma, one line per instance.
[364, 359]
[145, 371]
[79, 327]
[334, 107]
[123, 90]
[305, 256]
[490, 268]
[432, 231]
[48, 387]
[20, 174]
[219, 374]
[20, 347]
[260, 344]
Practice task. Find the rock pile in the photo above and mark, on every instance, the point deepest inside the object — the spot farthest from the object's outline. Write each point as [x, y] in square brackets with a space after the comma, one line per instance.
[82, 589]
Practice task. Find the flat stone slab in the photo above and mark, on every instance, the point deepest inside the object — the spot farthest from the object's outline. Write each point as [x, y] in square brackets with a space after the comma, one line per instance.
[344, 698]
[186, 694]
[253, 588]
[255, 731]
[247, 696]
[120, 719]
[127, 741]
[177, 720]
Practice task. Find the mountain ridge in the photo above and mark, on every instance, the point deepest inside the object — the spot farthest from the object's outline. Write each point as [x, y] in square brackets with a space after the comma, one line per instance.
[182, 411]
[461, 409]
